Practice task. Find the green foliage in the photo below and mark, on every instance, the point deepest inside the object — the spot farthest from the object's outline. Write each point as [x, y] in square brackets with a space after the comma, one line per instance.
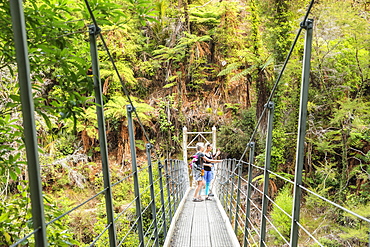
[354, 229]
[280, 219]
[180, 57]
[10, 148]
[15, 217]
[234, 137]
[116, 109]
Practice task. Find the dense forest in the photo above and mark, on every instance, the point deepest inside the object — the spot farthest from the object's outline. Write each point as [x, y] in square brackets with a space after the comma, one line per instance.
[187, 63]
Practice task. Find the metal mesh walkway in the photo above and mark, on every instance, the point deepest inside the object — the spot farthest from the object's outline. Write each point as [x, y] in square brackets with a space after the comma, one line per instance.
[202, 224]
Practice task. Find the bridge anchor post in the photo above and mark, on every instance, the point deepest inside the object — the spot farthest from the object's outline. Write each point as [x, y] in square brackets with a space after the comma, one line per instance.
[130, 110]
[308, 25]
[270, 107]
[93, 31]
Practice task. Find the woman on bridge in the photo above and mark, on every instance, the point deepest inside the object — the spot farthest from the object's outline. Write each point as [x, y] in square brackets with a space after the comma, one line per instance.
[209, 168]
[198, 170]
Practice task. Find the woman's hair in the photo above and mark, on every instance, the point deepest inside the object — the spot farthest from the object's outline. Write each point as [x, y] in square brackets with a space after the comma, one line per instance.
[199, 146]
[208, 144]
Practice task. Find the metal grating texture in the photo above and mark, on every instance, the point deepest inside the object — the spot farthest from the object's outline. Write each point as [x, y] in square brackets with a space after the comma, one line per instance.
[200, 224]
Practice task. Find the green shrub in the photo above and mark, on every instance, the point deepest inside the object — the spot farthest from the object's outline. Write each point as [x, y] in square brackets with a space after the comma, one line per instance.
[280, 220]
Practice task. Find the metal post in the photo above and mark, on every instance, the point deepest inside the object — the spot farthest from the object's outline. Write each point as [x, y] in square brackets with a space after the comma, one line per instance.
[227, 177]
[185, 144]
[173, 185]
[168, 188]
[301, 132]
[163, 206]
[249, 191]
[30, 137]
[214, 139]
[130, 110]
[152, 193]
[240, 168]
[232, 177]
[93, 31]
[270, 106]
[179, 183]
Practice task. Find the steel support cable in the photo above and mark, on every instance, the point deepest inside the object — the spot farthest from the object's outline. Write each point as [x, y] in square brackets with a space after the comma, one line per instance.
[254, 228]
[99, 236]
[258, 167]
[247, 239]
[120, 181]
[278, 232]
[258, 190]
[128, 232]
[145, 167]
[278, 79]
[76, 207]
[281, 177]
[282, 210]
[144, 190]
[243, 193]
[124, 210]
[335, 204]
[309, 234]
[255, 206]
[146, 208]
[150, 230]
[25, 238]
[264, 244]
[126, 92]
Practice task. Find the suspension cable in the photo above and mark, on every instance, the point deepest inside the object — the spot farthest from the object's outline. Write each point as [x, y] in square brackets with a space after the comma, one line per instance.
[125, 90]
[277, 81]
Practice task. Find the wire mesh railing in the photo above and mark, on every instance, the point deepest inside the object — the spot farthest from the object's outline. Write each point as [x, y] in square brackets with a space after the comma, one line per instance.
[162, 187]
[243, 203]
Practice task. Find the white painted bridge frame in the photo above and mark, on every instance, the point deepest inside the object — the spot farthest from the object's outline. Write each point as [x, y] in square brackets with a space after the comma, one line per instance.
[187, 145]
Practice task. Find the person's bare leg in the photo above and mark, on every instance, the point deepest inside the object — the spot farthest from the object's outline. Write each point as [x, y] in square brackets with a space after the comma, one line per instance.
[197, 189]
[200, 186]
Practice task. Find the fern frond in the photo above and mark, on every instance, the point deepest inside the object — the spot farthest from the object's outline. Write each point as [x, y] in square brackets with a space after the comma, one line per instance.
[243, 73]
[229, 68]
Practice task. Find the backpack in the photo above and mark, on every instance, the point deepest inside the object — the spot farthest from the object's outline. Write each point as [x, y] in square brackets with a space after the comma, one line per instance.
[195, 163]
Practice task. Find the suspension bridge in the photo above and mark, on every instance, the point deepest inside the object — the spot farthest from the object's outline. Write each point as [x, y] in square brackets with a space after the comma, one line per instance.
[238, 215]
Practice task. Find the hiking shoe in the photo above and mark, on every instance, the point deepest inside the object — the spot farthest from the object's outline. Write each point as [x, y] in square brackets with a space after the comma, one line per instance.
[211, 194]
[197, 200]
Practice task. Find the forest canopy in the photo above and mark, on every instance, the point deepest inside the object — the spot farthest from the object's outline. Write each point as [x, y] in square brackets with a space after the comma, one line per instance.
[186, 63]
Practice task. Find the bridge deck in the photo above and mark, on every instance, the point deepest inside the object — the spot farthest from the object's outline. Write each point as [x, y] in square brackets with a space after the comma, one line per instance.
[202, 224]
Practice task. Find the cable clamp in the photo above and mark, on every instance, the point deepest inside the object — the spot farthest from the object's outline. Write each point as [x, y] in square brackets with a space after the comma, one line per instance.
[130, 108]
[149, 146]
[307, 25]
[269, 105]
[94, 29]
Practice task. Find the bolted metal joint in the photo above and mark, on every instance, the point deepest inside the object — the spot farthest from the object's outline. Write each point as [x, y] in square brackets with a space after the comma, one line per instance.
[307, 25]
[94, 29]
[270, 105]
[149, 146]
[130, 108]
[160, 166]
[251, 144]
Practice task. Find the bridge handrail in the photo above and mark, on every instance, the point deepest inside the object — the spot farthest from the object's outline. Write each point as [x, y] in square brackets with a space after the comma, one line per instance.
[224, 176]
